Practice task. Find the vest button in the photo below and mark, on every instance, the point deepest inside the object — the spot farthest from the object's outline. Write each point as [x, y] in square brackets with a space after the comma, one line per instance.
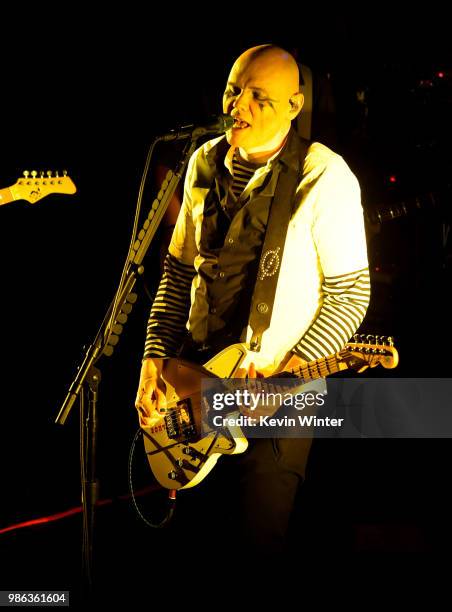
[213, 310]
[221, 275]
[231, 240]
[262, 308]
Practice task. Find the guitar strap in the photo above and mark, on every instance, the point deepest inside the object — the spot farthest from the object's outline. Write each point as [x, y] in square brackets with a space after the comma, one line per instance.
[273, 248]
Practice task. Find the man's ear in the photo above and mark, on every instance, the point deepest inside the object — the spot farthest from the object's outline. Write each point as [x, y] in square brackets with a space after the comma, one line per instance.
[296, 104]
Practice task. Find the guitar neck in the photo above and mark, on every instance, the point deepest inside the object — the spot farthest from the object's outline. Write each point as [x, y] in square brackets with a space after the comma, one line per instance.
[403, 208]
[386, 214]
[6, 196]
[319, 368]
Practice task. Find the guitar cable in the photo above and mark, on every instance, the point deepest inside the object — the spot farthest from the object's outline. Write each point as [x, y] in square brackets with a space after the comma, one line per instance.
[171, 492]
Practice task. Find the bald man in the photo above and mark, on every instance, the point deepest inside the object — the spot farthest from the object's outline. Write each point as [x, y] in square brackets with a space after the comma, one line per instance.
[204, 299]
[262, 95]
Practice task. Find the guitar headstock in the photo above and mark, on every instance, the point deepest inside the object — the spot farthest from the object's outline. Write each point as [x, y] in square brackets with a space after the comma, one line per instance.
[369, 351]
[33, 188]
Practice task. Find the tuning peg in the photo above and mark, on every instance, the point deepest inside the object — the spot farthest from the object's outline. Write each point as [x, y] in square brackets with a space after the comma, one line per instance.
[49, 173]
[356, 338]
[41, 174]
[26, 173]
[391, 341]
[64, 172]
[370, 339]
[34, 173]
[56, 174]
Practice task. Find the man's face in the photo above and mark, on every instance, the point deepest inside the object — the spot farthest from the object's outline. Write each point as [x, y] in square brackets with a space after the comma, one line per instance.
[257, 95]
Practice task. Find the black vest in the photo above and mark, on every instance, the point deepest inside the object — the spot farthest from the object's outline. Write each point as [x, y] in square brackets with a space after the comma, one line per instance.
[231, 248]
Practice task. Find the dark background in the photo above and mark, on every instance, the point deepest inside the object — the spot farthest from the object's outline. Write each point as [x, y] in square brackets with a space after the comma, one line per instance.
[87, 95]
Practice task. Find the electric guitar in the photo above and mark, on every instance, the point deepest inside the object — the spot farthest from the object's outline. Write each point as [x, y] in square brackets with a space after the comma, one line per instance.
[33, 188]
[179, 449]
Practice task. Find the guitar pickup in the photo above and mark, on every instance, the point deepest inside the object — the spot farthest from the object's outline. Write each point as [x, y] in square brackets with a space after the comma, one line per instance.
[179, 421]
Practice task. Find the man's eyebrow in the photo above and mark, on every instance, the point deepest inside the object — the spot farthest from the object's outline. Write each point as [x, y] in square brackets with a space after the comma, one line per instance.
[251, 87]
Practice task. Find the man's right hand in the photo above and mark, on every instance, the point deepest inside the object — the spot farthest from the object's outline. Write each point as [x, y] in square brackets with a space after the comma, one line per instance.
[150, 401]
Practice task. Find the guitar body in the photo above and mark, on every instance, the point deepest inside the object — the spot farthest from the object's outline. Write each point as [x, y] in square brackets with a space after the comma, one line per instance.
[180, 454]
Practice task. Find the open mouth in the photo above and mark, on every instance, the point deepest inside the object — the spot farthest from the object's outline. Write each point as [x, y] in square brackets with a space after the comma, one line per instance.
[240, 125]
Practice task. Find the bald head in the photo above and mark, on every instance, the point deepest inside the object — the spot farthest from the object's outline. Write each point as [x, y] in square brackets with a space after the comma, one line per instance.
[272, 63]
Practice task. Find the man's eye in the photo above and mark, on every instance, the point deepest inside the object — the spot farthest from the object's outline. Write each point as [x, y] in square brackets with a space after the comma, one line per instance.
[259, 98]
[230, 92]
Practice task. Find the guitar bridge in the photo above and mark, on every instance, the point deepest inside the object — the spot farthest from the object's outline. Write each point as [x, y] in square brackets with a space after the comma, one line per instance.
[179, 421]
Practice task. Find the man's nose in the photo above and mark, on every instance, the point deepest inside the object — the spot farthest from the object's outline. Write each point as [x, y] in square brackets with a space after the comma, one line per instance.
[240, 101]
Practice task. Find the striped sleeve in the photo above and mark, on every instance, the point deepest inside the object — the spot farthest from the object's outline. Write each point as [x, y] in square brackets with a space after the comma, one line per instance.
[345, 301]
[170, 309]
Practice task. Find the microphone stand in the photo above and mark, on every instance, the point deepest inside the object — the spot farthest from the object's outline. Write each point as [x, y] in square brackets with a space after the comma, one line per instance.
[87, 377]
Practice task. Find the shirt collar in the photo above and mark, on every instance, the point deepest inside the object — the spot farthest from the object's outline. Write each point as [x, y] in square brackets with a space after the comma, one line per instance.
[288, 154]
[230, 156]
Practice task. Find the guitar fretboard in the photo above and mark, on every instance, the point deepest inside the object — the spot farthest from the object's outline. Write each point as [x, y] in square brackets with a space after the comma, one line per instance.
[320, 368]
[406, 207]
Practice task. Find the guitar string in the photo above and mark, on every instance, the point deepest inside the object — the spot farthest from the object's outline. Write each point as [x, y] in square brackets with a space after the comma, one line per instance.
[330, 363]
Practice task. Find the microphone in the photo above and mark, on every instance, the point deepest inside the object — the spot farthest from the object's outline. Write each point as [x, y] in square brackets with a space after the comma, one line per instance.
[216, 124]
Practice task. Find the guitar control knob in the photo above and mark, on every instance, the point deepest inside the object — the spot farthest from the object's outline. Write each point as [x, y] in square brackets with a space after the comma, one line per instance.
[172, 475]
[180, 462]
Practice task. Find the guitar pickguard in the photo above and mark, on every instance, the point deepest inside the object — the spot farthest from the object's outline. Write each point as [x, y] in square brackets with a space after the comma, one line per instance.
[179, 453]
